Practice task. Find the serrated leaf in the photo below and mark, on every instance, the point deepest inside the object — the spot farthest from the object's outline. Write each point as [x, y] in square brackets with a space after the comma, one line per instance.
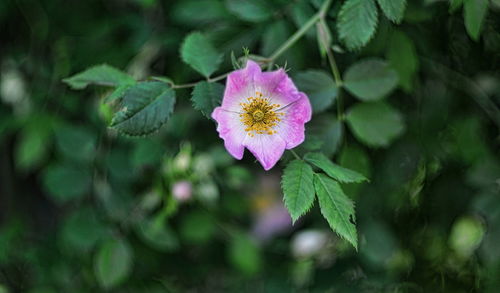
[113, 263]
[357, 22]
[336, 208]
[206, 96]
[393, 9]
[145, 107]
[298, 189]
[375, 124]
[370, 79]
[333, 170]
[250, 10]
[104, 75]
[402, 56]
[319, 87]
[474, 15]
[198, 52]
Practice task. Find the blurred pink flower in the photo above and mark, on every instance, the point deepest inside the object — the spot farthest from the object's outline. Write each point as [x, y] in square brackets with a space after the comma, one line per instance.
[262, 111]
[272, 221]
[182, 190]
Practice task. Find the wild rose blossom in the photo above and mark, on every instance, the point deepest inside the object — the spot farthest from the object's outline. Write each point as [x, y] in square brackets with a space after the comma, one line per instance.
[263, 112]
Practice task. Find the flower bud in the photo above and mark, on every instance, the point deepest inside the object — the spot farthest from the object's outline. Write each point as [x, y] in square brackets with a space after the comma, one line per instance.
[182, 190]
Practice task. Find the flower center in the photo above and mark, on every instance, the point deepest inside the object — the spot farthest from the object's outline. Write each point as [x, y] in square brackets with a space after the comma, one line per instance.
[259, 115]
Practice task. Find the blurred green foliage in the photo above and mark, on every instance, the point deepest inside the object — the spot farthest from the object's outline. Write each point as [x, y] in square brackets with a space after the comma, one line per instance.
[83, 209]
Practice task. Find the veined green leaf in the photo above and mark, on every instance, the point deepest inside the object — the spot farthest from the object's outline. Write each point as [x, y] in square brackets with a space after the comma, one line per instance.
[333, 170]
[370, 79]
[298, 189]
[198, 52]
[336, 208]
[206, 96]
[145, 107]
[393, 9]
[357, 22]
[319, 87]
[104, 75]
[375, 124]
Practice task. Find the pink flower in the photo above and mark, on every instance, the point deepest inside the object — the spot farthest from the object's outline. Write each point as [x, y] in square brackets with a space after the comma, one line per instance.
[262, 111]
[182, 190]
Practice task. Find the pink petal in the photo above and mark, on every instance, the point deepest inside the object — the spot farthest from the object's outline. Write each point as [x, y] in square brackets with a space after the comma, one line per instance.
[240, 86]
[231, 130]
[268, 149]
[277, 86]
[291, 128]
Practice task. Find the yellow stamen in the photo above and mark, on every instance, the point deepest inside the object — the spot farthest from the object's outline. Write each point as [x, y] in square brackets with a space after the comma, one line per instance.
[259, 116]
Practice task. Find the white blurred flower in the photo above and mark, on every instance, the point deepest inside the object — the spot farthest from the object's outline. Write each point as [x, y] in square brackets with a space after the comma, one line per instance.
[13, 89]
[309, 243]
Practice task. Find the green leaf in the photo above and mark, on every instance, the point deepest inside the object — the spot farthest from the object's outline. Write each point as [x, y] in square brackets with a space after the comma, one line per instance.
[188, 12]
[375, 124]
[474, 15]
[319, 87]
[33, 145]
[336, 208]
[104, 75]
[117, 93]
[156, 233]
[393, 9]
[275, 34]
[147, 153]
[250, 10]
[206, 96]
[198, 52]
[113, 263]
[329, 130]
[455, 4]
[333, 170]
[357, 22]
[301, 12]
[76, 142]
[244, 254]
[145, 107]
[370, 79]
[81, 231]
[402, 56]
[197, 227]
[354, 158]
[65, 182]
[298, 189]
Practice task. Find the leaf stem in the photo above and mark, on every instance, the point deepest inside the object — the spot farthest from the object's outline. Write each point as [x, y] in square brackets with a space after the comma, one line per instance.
[295, 154]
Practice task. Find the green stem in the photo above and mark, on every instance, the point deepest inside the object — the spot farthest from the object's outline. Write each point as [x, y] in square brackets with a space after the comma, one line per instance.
[295, 37]
[295, 154]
